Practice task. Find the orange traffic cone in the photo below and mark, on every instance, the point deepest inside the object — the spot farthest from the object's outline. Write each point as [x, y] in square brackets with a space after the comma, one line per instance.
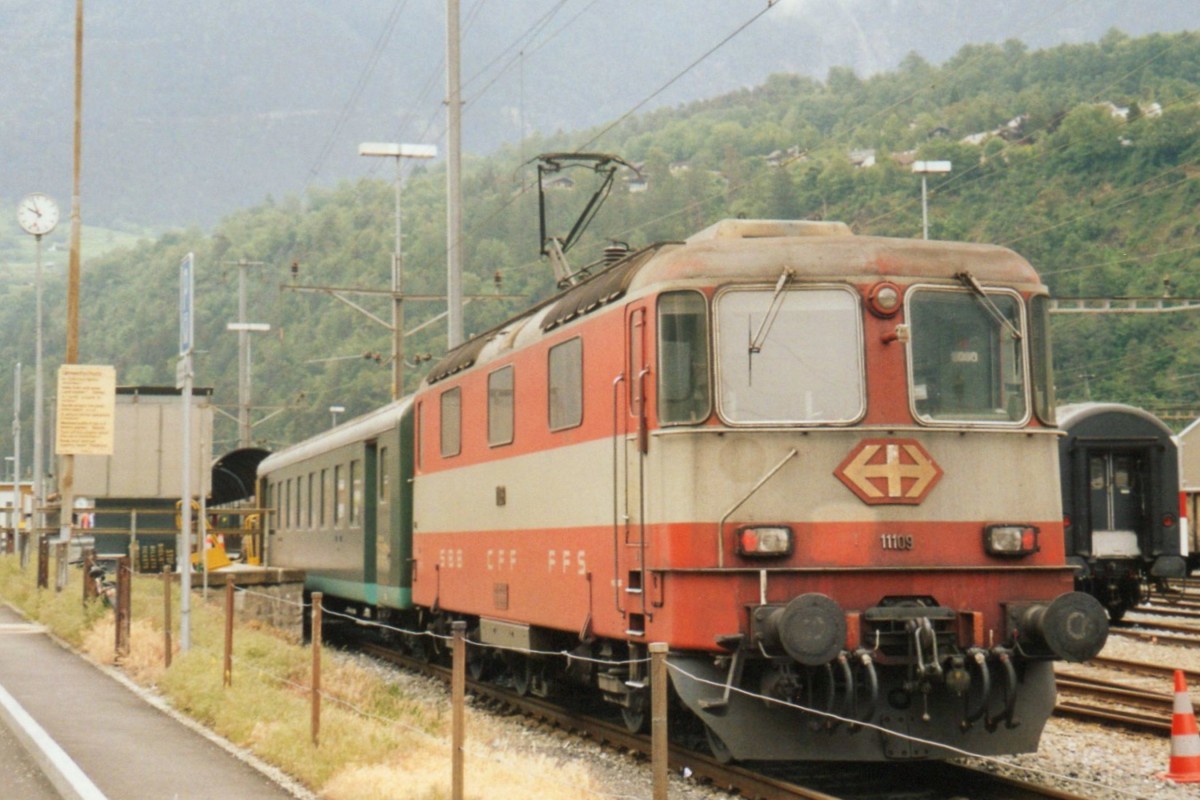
[1185, 740]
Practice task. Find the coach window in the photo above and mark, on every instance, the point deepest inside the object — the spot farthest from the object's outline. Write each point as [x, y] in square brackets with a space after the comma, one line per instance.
[324, 481]
[500, 407]
[308, 505]
[451, 422]
[566, 385]
[966, 356]
[287, 504]
[385, 481]
[298, 520]
[282, 518]
[356, 490]
[339, 494]
[789, 355]
[683, 385]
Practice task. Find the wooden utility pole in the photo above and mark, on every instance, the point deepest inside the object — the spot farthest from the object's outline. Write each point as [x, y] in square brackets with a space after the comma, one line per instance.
[72, 356]
[454, 241]
[66, 472]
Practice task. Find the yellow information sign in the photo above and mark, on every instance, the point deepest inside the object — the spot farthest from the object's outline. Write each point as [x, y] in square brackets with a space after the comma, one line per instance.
[86, 415]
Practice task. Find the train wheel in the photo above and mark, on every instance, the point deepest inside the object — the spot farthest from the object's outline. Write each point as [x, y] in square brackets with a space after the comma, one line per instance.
[1116, 613]
[479, 662]
[634, 715]
[716, 744]
[522, 675]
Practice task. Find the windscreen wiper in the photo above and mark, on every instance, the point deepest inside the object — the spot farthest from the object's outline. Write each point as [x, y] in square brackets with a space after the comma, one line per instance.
[968, 280]
[764, 328]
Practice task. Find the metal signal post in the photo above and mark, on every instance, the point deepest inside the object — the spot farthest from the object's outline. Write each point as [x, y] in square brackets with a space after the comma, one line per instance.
[399, 152]
[183, 381]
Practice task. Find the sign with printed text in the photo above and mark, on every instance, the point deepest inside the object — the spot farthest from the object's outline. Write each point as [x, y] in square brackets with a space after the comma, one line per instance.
[86, 417]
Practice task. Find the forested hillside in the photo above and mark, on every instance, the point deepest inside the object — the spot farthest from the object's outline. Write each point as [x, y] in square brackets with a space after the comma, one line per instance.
[1083, 158]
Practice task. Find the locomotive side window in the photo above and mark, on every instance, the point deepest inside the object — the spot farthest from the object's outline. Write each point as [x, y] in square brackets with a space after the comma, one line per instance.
[683, 384]
[451, 422]
[966, 354]
[566, 384]
[790, 356]
[500, 406]
[1040, 360]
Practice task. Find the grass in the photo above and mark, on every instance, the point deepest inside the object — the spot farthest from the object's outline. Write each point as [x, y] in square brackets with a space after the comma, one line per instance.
[376, 740]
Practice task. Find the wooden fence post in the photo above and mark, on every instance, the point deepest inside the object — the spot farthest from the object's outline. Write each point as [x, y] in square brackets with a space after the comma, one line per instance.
[124, 600]
[316, 667]
[60, 564]
[89, 583]
[458, 691]
[229, 630]
[658, 718]
[166, 616]
[43, 562]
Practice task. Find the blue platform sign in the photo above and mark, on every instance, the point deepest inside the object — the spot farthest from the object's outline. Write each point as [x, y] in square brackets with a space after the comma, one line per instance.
[186, 321]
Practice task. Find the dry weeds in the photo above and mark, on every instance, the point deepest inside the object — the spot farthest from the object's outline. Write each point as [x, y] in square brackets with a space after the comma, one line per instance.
[377, 741]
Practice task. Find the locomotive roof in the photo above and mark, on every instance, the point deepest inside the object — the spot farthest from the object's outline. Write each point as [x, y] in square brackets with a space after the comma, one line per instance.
[367, 426]
[752, 251]
[758, 249]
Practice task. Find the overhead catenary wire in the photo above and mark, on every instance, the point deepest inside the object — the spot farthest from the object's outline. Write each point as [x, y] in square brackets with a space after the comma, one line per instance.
[360, 85]
[641, 103]
[674, 79]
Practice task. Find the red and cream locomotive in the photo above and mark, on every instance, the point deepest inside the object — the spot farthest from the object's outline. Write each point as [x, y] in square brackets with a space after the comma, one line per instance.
[821, 467]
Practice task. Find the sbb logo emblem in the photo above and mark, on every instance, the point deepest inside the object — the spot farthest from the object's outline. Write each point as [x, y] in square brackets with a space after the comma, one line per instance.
[889, 471]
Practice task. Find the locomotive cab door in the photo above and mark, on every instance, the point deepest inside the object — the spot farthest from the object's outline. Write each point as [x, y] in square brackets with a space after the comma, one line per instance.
[1117, 503]
[632, 445]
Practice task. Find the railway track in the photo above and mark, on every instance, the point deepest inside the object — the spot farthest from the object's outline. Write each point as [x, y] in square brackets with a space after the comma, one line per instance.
[1150, 712]
[914, 781]
[1112, 701]
[1161, 632]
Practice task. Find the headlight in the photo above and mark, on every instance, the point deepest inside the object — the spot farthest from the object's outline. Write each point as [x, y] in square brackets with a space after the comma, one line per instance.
[765, 541]
[1010, 540]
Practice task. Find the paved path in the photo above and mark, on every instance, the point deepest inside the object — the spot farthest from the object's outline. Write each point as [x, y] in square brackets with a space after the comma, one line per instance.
[97, 738]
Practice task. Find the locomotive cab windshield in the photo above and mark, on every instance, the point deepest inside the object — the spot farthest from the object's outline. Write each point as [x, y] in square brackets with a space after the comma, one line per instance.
[806, 365]
[967, 356]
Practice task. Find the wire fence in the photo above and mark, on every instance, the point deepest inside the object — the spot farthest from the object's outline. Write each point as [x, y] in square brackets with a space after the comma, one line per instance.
[457, 643]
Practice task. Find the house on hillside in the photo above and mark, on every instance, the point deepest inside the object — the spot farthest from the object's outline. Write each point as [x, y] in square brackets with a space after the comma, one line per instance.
[781, 158]
[1115, 111]
[636, 184]
[862, 158]
[560, 182]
